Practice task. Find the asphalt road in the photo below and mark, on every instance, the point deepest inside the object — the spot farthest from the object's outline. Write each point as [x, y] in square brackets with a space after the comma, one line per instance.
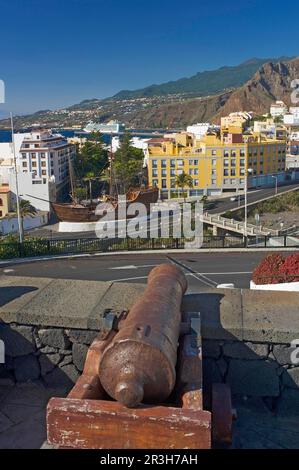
[202, 269]
[221, 205]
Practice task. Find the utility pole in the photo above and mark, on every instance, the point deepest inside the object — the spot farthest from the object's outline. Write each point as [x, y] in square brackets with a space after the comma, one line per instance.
[21, 235]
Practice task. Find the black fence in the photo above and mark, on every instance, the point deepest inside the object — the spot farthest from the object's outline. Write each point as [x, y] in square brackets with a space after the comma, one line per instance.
[42, 247]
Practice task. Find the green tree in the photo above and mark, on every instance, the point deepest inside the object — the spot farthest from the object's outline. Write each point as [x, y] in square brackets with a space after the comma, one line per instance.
[92, 158]
[183, 181]
[127, 166]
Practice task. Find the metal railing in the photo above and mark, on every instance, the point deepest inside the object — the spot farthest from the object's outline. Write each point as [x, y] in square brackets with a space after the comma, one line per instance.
[42, 247]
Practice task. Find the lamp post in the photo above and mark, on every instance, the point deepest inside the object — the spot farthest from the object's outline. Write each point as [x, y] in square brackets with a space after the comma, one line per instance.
[21, 235]
[247, 171]
[276, 182]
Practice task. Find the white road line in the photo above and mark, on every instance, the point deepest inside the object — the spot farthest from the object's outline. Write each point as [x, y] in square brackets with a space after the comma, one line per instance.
[133, 266]
[128, 279]
[226, 273]
[8, 270]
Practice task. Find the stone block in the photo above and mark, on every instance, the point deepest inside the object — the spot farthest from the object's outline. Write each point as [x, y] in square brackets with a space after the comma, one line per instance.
[82, 336]
[65, 376]
[18, 339]
[79, 355]
[288, 403]
[282, 353]
[290, 378]
[47, 362]
[26, 368]
[54, 337]
[211, 348]
[247, 351]
[253, 378]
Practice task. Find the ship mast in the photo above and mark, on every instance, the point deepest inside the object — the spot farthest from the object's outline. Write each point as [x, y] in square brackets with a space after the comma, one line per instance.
[71, 179]
[111, 159]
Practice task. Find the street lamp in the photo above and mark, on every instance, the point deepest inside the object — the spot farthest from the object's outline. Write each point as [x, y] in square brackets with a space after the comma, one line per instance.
[276, 182]
[247, 171]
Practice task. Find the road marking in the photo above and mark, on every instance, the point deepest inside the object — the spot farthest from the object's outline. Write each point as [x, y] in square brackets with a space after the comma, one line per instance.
[128, 279]
[132, 266]
[203, 279]
[228, 272]
[8, 270]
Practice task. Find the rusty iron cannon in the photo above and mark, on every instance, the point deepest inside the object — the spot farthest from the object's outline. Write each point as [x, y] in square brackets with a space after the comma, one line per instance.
[139, 363]
[145, 373]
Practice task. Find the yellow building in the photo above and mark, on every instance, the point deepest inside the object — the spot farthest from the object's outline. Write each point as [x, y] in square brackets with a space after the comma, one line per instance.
[216, 163]
[6, 201]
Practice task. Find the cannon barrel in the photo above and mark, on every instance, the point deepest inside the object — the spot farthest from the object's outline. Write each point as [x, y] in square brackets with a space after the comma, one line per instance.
[139, 364]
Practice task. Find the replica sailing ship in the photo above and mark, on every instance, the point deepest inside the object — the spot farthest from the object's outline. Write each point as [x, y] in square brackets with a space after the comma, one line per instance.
[92, 211]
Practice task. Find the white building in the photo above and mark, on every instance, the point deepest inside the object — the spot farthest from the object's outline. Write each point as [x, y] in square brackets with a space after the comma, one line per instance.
[278, 109]
[292, 117]
[42, 165]
[267, 127]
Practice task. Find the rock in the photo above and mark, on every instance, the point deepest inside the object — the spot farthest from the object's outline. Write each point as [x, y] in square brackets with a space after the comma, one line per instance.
[48, 350]
[247, 351]
[211, 348]
[288, 403]
[66, 360]
[282, 354]
[54, 337]
[253, 378]
[63, 377]
[18, 339]
[82, 336]
[290, 377]
[48, 362]
[79, 355]
[26, 368]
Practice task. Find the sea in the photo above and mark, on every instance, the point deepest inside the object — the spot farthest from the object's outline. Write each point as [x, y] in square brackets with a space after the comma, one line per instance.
[5, 135]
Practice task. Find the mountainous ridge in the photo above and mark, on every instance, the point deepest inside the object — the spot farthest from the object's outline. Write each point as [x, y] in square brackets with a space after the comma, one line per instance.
[270, 82]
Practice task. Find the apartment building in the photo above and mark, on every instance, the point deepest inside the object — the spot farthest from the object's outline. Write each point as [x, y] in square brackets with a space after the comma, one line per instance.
[217, 163]
[43, 159]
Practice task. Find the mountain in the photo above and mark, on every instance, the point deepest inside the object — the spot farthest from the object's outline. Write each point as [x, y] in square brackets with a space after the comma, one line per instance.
[269, 82]
[203, 83]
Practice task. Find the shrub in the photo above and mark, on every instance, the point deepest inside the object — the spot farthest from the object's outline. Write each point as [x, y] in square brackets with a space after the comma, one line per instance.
[290, 268]
[267, 272]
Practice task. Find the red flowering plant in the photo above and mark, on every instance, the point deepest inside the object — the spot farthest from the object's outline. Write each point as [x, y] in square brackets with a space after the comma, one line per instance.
[290, 268]
[268, 271]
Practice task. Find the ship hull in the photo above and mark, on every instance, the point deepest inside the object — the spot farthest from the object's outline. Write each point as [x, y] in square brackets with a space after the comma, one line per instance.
[76, 213]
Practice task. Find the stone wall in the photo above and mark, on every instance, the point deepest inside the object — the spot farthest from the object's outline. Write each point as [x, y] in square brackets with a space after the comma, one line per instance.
[54, 355]
[47, 326]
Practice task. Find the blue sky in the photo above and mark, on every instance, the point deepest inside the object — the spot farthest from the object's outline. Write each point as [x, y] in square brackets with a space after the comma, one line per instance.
[58, 52]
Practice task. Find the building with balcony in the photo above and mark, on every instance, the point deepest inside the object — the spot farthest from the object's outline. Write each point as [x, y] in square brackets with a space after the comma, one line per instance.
[43, 160]
[217, 163]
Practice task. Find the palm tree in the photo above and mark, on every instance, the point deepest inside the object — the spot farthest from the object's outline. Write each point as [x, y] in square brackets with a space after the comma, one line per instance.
[26, 209]
[183, 181]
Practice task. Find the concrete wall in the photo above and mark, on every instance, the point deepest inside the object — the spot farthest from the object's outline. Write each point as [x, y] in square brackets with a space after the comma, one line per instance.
[47, 326]
[10, 224]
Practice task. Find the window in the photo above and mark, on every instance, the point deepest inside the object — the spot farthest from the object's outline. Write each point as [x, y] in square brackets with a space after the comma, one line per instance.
[164, 172]
[24, 164]
[213, 152]
[233, 172]
[214, 172]
[195, 171]
[214, 161]
[172, 183]
[226, 162]
[36, 146]
[226, 153]
[44, 164]
[44, 172]
[33, 155]
[191, 171]
[154, 163]
[23, 155]
[34, 164]
[225, 172]
[242, 153]
[154, 172]
[155, 182]
[233, 153]
[172, 163]
[195, 182]
[195, 162]
[233, 162]
[164, 185]
[163, 163]
[27, 146]
[1, 202]
[172, 172]
[191, 163]
[214, 181]
[242, 161]
[43, 155]
[180, 163]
